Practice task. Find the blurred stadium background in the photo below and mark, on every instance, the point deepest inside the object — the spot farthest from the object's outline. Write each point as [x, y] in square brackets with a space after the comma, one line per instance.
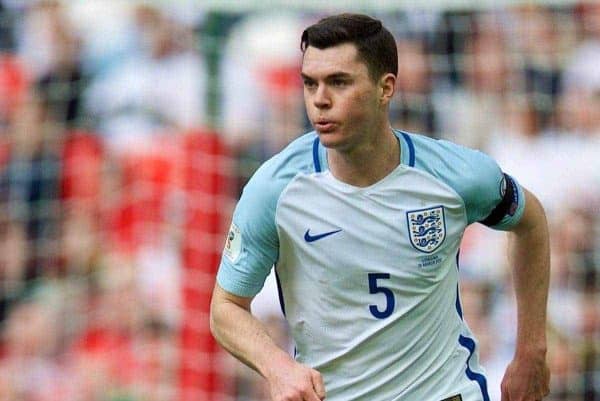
[127, 130]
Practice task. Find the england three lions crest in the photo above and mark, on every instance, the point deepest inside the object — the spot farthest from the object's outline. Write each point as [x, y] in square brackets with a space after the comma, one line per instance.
[426, 228]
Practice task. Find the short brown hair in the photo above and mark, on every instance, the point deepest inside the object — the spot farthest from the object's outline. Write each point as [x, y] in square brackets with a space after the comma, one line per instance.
[376, 46]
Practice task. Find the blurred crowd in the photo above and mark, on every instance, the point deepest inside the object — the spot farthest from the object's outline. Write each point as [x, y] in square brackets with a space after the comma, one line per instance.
[98, 103]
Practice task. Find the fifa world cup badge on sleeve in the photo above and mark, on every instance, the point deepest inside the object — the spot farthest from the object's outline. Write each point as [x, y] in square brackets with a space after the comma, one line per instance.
[426, 228]
[233, 244]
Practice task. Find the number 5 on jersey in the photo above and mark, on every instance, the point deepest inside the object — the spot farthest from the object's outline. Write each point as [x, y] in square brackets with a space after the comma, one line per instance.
[374, 288]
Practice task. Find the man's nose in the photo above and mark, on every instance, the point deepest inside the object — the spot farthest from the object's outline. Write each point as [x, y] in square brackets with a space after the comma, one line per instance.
[322, 98]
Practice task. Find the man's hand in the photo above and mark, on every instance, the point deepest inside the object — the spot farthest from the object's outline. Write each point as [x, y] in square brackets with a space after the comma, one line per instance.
[526, 379]
[291, 381]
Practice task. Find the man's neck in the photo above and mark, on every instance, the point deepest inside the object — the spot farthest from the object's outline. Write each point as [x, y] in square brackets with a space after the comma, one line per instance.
[366, 164]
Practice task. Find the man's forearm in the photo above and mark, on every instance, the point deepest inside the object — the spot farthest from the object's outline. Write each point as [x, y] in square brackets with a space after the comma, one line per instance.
[531, 260]
[247, 339]
[243, 335]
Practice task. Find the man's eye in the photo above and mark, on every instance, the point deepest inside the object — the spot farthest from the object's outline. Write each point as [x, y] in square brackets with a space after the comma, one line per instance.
[339, 82]
[309, 84]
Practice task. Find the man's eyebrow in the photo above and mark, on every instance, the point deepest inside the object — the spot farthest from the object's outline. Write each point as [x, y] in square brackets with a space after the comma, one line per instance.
[335, 75]
[338, 75]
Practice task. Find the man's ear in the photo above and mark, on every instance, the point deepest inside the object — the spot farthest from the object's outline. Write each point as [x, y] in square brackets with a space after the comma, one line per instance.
[387, 88]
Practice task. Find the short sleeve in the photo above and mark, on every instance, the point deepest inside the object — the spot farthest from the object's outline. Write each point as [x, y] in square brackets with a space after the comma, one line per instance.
[252, 244]
[490, 196]
[510, 209]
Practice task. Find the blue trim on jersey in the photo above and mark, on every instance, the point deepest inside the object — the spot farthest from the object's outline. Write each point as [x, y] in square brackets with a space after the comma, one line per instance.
[469, 344]
[458, 305]
[411, 149]
[279, 292]
[316, 155]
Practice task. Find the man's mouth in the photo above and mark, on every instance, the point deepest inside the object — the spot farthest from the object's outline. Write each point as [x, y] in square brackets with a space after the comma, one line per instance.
[324, 126]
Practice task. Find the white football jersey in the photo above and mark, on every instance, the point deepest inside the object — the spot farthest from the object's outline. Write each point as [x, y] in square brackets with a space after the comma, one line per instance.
[368, 277]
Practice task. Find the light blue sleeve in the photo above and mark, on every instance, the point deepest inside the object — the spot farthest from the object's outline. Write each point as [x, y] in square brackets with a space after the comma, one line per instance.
[244, 269]
[475, 176]
[252, 245]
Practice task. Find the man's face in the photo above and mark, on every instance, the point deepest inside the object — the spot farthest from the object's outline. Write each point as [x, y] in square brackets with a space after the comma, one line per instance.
[341, 100]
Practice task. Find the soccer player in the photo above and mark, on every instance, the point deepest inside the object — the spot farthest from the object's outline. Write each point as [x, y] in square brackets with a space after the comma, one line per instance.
[363, 224]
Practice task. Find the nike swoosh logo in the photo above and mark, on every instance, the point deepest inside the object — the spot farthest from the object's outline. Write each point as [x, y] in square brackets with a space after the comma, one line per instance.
[313, 238]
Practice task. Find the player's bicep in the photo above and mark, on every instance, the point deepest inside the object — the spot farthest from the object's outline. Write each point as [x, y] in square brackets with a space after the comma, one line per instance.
[533, 213]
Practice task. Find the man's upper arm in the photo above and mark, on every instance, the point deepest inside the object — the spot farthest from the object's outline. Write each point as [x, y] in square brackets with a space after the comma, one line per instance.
[533, 213]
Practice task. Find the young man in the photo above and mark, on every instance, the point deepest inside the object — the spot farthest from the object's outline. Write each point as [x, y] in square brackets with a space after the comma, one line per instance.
[363, 225]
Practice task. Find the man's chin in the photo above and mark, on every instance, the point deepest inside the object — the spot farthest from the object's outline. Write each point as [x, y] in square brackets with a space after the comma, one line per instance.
[332, 140]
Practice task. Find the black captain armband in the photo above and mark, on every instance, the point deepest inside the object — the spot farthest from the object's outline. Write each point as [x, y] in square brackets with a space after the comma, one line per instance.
[507, 206]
